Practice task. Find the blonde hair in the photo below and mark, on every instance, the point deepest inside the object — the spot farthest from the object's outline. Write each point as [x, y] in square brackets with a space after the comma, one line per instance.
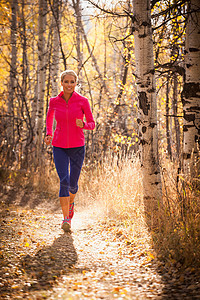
[68, 72]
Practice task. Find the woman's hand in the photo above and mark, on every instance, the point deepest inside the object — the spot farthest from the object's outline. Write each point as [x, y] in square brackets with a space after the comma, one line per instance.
[48, 139]
[79, 123]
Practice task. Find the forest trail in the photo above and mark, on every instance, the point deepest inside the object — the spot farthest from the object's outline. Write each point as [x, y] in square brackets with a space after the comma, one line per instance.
[98, 260]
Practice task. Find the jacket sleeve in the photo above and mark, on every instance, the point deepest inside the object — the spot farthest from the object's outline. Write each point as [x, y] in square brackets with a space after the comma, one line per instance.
[50, 118]
[89, 124]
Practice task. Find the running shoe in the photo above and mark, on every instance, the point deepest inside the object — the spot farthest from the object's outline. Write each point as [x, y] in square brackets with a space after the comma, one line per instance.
[66, 225]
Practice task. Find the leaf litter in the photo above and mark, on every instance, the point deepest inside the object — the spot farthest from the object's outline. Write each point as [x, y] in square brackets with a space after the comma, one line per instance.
[98, 260]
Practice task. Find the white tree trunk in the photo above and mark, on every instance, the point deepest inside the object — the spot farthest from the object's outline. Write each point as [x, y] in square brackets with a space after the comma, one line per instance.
[147, 105]
[77, 9]
[191, 90]
[175, 113]
[41, 78]
[56, 47]
[94, 59]
[35, 89]
[12, 85]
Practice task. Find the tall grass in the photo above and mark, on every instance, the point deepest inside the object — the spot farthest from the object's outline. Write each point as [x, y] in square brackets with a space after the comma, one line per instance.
[115, 187]
[178, 239]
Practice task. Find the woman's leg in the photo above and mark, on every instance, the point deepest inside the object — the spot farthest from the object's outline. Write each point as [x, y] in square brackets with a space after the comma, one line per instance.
[61, 160]
[64, 203]
[72, 196]
[76, 162]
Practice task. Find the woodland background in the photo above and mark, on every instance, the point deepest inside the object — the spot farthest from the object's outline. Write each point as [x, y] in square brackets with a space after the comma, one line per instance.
[130, 78]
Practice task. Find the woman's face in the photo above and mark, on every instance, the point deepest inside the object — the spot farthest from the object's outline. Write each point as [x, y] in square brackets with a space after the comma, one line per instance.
[68, 84]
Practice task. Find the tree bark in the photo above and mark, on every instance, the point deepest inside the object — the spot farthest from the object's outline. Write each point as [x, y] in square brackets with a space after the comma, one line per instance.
[41, 78]
[94, 60]
[56, 47]
[175, 113]
[77, 9]
[169, 149]
[147, 104]
[191, 90]
[13, 71]
[35, 85]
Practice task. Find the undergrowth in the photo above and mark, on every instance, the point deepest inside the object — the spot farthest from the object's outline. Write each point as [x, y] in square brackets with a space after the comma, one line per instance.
[116, 184]
[178, 239]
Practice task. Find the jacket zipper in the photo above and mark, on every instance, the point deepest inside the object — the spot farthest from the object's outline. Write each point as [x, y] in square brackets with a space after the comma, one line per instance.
[67, 107]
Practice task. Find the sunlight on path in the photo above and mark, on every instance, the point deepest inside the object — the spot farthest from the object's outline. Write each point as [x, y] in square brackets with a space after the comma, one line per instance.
[105, 268]
[86, 217]
[98, 260]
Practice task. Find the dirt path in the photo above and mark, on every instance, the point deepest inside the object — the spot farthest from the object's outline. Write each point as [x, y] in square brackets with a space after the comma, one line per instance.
[106, 268]
[98, 260]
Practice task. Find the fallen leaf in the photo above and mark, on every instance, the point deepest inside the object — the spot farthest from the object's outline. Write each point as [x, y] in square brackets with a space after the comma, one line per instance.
[112, 273]
[117, 289]
[151, 255]
[14, 286]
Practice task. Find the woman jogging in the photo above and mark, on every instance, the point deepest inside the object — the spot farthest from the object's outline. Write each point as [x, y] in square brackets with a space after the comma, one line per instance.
[69, 109]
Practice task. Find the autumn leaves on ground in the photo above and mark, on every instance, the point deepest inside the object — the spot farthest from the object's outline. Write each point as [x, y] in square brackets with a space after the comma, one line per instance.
[110, 254]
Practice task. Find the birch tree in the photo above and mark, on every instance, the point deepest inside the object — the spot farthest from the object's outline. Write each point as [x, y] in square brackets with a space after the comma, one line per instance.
[147, 106]
[13, 71]
[56, 46]
[175, 113]
[41, 76]
[94, 60]
[77, 9]
[169, 149]
[191, 89]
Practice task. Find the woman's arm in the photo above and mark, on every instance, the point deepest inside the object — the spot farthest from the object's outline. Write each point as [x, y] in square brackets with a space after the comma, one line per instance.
[89, 124]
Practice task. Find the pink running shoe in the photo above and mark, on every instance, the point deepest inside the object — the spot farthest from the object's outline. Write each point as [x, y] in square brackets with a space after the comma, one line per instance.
[66, 225]
[71, 210]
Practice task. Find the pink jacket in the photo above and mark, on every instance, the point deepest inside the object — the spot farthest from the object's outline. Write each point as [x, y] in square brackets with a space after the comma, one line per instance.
[67, 134]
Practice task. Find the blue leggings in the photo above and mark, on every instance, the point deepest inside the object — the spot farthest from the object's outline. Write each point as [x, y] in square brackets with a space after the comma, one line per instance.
[63, 158]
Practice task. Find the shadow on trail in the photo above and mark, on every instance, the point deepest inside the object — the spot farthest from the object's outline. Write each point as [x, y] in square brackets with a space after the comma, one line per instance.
[49, 263]
[30, 199]
[10, 195]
